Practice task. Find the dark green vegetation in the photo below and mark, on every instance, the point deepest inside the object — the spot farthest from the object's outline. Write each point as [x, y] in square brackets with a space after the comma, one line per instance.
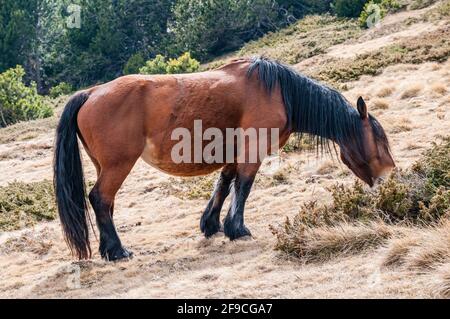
[24, 204]
[418, 196]
[19, 102]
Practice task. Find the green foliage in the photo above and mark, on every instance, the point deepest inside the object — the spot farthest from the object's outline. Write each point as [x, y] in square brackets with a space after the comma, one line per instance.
[435, 164]
[19, 102]
[209, 28]
[134, 63]
[24, 204]
[159, 65]
[184, 64]
[348, 8]
[377, 9]
[62, 88]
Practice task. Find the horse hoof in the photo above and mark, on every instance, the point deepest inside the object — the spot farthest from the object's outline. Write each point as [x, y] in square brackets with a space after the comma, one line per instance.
[209, 228]
[117, 254]
[236, 232]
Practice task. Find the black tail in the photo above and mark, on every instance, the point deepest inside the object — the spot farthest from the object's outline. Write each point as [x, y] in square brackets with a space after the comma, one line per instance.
[68, 180]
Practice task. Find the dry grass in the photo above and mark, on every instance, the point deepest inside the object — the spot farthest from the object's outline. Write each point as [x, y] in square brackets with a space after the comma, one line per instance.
[308, 37]
[33, 242]
[385, 91]
[411, 91]
[439, 88]
[327, 167]
[400, 126]
[191, 188]
[379, 104]
[311, 243]
[434, 46]
[441, 285]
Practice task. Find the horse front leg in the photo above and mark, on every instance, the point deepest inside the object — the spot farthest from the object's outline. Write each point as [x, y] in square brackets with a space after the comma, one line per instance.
[234, 226]
[210, 221]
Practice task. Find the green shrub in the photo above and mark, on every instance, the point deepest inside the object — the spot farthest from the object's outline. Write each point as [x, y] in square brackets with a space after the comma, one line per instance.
[348, 8]
[377, 9]
[134, 63]
[19, 102]
[184, 64]
[159, 65]
[62, 88]
[211, 28]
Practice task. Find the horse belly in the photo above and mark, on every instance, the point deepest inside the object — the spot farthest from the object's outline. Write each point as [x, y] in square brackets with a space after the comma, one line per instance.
[160, 158]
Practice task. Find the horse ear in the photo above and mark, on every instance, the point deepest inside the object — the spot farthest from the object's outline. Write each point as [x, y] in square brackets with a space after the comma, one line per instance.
[362, 108]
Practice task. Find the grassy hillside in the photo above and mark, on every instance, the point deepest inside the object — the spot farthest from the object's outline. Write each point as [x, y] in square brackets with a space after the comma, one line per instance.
[330, 236]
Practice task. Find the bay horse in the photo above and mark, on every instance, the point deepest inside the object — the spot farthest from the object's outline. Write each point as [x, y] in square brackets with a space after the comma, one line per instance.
[133, 116]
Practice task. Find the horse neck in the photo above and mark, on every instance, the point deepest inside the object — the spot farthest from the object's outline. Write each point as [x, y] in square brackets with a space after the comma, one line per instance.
[323, 112]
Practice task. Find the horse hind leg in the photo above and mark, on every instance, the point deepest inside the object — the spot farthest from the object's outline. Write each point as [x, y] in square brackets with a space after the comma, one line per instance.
[210, 221]
[102, 200]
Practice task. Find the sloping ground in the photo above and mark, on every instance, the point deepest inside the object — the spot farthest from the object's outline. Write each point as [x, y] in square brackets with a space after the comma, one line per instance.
[158, 216]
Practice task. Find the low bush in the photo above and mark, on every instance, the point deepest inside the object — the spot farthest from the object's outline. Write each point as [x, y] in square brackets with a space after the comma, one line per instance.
[375, 10]
[62, 88]
[134, 63]
[419, 195]
[19, 102]
[159, 65]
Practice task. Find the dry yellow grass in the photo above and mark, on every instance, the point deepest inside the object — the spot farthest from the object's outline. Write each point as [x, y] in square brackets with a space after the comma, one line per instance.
[401, 125]
[379, 104]
[385, 91]
[423, 251]
[441, 285]
[327, 167]
[323, 243]
[411, 91]
[439, 88]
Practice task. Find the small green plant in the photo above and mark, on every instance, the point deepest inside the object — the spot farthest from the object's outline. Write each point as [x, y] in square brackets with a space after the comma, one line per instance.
[134, 63]
[159, 65]
[184, 64]
[19, 102]
[62, 88]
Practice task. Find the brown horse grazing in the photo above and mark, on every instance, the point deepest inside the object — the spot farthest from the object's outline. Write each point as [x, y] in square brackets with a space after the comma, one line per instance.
[134, 116]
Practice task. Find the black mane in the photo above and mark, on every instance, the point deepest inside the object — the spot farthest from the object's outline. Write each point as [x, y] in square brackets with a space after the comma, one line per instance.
[313, 108]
